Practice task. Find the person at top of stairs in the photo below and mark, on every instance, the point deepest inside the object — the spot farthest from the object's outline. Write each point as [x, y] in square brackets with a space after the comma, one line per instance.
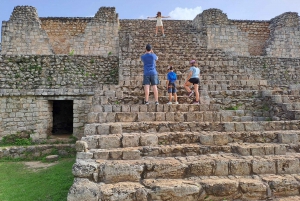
[171, 87]
[159, 22]
[150, 74]
[193, 78]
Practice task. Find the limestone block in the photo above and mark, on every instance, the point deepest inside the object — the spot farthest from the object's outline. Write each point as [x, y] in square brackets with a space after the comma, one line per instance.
[120, 171]
[229, 127]
[101, 154]
[90, 129]
[126, 117]
[169, 116]
[84, 155]
[179, 190]
[240, 167]
[110, 117]
[257, 151]
[130, 140]
[148, 140]
[239, 127]
[242, 150]
[82, 168]
[253, 189]
[131, 155]
[81, 146]
[125, 108]
[92, 117]
[220, 187]
[160, 116]
[116, 154]
[287, 166]
[165, 168]
[221, 139]
[287, 138]
[84, 190]
[252, 126]
[107, 108]
[263, 166]
[110, 141]
[102, 129]
[146, 116]
[206, 139]
[280, 150]
[124, 191]
[135, 108]
[116, 128]
[285, 185]
[203, 167]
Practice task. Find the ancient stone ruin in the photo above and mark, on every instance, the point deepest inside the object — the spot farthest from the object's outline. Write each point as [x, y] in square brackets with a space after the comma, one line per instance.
[83, 77]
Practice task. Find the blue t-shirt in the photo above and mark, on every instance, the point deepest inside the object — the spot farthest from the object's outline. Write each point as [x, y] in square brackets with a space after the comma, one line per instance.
[149, 63]
[172, 77]
[195, 72]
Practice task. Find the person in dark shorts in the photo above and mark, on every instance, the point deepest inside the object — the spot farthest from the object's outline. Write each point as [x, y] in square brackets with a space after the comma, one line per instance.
[171, 87]
[193, 78]
[150, 74]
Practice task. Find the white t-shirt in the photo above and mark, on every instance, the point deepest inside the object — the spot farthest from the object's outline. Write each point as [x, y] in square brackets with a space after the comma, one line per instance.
[195, 72]
[159, 21]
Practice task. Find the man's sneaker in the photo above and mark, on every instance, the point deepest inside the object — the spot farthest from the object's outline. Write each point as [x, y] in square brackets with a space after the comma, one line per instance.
[169, 103]
[176, 103]
[146, 103]
[196, 103]
[156, 103]
[191, 93]
[155, 35]
[164, 35]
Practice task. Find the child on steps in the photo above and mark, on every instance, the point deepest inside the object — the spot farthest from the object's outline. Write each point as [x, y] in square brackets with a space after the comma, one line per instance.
[159, 22]
[171, 87]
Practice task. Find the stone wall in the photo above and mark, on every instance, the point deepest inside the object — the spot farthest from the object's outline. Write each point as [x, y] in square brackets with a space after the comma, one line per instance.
[279, 37]
[55, 72]
[63, 31]
[29, 84]
[238, 37]
[278, 71]
[37, 151]
[257, 33]
[23, 34]
[284, 39]
[26, 33]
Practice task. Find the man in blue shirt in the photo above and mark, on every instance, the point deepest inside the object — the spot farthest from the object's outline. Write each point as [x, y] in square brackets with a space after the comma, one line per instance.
[150, 74]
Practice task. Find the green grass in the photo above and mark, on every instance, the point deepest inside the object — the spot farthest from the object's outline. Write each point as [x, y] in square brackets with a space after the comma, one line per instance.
[20, 183]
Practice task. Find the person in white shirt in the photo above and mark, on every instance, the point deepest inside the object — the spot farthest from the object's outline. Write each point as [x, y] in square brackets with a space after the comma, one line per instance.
[159, 22]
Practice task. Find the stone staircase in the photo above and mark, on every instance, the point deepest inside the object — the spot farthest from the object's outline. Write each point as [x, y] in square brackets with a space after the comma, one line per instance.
[236, 145]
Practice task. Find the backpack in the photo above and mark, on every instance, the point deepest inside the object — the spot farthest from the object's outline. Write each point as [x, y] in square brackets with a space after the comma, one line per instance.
[172, 76]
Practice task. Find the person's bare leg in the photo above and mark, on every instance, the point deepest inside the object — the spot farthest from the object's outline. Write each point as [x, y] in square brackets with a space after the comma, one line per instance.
[155, 92]
[196, 86]
[175, 97]
[162, 30]
[170, 97]
[187, 86]
[156, 29]
[146, 89]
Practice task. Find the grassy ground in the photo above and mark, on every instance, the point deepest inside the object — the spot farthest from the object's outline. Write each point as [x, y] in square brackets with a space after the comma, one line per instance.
[20, 183]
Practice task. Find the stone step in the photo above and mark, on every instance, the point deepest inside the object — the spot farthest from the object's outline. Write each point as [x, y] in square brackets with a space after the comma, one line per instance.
[285, 99]
[133, 83]
[290, 137]
[181, 150]
[155, 108]
[254, 187]
[212, 116]
[202, 77]
[113, 171]
[196, 126]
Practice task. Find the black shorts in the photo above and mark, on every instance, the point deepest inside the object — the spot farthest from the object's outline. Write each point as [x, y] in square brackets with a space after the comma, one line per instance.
[194, 80]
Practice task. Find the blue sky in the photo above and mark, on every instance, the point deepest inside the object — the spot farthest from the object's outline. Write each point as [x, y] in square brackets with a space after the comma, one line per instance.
[134, 9]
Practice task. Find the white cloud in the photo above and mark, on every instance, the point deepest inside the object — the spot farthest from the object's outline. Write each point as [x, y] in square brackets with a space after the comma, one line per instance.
[142, 17]
[185, 13]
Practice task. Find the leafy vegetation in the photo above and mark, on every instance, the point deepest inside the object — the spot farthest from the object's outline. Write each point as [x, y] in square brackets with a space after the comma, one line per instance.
[19, 139]
[236, 107]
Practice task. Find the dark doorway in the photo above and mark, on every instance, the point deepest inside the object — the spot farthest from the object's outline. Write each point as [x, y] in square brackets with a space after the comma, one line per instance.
[62, 117]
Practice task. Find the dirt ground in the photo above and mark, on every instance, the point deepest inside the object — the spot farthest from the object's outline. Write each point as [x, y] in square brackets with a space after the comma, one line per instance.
[37, 165]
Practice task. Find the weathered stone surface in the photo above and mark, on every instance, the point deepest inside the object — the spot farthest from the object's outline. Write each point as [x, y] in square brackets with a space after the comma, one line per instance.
[85, 190]
[253, 189]
[81, 146]
[175, 190]
[84, 168]
[120, 171]
[220, 187]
